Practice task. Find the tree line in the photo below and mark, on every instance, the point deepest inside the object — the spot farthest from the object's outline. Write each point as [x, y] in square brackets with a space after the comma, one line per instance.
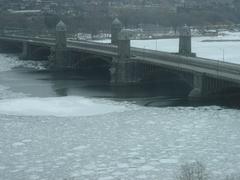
[96, 18]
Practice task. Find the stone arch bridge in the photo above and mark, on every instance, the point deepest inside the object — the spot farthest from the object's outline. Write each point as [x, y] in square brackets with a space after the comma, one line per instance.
[128, 65]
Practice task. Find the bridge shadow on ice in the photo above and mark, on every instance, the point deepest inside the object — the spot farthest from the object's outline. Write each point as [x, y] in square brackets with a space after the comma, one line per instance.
[166, 90]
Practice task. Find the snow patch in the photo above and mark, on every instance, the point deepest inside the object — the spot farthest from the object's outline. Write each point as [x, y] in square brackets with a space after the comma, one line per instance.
[34, 177]
[142, 176]
[6, 93]
[106, 178]
[17, 144]
[79, 148]
[146, 168]
[7, 62]
[27, 141]
[122, 165]
[169, 161]
[87, 172]
[3, 168]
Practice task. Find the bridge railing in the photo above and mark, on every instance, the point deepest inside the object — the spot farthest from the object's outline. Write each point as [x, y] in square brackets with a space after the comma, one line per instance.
[94, 46]
[51, 41]
[197, 62]
[27, 38]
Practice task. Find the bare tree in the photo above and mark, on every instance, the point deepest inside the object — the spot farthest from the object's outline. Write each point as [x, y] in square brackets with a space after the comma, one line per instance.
[232, 177]
[193, 171]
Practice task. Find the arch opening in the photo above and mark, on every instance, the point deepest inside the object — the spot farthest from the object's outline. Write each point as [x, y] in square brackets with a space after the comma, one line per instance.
[10, 47]
[94, 66]
[40, 53]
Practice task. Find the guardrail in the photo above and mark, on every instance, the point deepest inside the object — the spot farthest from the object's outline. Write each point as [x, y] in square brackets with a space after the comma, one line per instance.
[27, 39]
[195, 61]
[85, 44]
[93, 45]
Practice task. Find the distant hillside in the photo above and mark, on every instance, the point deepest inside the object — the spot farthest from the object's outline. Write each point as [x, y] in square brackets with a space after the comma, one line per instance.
[96, 15]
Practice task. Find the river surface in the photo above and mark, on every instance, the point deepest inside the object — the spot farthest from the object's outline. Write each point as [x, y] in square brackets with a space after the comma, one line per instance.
[64, 125]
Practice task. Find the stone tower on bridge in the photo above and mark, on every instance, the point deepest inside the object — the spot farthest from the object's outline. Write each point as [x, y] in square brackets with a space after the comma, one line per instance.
[61, 42]
[59, 52]
[124, 70]
[185, 41]
[115, 30]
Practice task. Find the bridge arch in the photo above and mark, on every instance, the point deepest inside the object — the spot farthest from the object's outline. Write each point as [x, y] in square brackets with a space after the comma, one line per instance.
[94, 65]
[40, 53]
[10, 46]
[96, 58]
[204, 86]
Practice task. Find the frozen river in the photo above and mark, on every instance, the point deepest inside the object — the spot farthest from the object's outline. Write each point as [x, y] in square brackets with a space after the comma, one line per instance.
[58, 127]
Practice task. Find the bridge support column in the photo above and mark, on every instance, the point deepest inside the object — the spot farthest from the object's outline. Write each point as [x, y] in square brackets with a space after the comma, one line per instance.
[115, 30]
[58, 55]
[26, 52]
[1, 47]
[123, 69]
[185, 42]
[198, 87]
[208, 87]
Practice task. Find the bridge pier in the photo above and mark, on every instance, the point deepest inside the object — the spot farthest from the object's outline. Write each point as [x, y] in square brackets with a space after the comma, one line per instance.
[58, 56]
[185, 42]
[2, 47]
[26, 52]
[207, 87]
[198, 87]
[123, 70]
[10, 47]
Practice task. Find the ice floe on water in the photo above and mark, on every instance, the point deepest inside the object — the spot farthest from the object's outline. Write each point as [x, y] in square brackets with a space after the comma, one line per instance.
[8, 62]
[69, 106]
[37, 65]
[122, 145]
[6, 93]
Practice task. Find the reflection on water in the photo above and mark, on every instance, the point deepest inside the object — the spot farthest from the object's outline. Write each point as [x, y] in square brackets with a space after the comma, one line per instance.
[44, 84]
[47, 84]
